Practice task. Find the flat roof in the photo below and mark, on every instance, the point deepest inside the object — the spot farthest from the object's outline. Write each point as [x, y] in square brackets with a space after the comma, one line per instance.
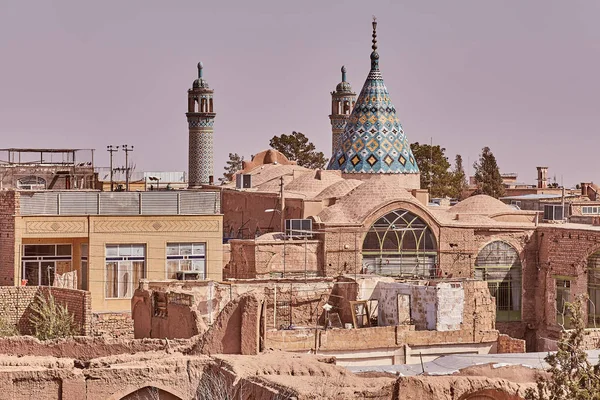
[30, 150]
[536, 196]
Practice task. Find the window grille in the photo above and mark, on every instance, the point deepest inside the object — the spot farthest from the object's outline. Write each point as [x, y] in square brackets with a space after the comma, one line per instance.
[400, 244]
[593, 274]
[498, 264]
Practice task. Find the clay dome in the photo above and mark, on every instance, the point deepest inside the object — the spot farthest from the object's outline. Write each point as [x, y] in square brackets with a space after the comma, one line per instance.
[480, 204]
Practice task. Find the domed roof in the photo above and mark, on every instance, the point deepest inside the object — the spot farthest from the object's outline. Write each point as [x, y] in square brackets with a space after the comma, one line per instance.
[344, 86]
[480, 204]
[373, 140]
[200, 82]
[338, 189]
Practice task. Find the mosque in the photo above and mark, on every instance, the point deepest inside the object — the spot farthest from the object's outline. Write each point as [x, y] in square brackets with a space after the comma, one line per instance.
[366, 214]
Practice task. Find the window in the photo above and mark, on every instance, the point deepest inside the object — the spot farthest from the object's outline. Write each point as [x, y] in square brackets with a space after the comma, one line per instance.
[593, 273]
[41, 262]
[563, 296]
[516, 203]
[589, 210]
[186, 257]
[31, 183]
[400, 244]
[125, 266]
[553, 212]
[498, 264]
[84, 266]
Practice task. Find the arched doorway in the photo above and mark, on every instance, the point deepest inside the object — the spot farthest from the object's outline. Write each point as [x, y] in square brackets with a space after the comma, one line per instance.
[400, 244]
[593, 273]
[499, 264]
[150, 393]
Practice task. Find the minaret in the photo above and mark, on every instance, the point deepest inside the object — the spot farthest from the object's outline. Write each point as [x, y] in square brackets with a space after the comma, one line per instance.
[201, 118]
[342, 103]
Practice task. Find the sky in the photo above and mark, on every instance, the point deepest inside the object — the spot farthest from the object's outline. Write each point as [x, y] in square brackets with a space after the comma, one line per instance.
[518, 76]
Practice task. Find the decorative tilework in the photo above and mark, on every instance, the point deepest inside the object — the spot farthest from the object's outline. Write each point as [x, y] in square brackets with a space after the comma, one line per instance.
[373, 140]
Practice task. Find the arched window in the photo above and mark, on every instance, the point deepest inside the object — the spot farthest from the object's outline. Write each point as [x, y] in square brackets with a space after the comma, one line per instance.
[498, 264]
[31, 183]
[400, 244]
[593, 274]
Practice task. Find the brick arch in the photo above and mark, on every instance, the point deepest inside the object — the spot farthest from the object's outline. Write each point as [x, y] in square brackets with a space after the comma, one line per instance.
[414, 208]
[490, 394]
[139, 391]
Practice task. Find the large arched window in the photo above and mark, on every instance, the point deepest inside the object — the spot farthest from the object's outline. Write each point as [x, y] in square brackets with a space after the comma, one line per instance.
[593, 273]
[498, 264]
[400, 244]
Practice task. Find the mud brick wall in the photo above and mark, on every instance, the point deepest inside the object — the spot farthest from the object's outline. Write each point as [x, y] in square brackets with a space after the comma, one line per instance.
[112, 324]
[16, 305]
[9, 203]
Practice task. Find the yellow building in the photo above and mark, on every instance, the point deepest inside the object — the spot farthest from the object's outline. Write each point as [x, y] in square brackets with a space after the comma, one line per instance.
[108, 241]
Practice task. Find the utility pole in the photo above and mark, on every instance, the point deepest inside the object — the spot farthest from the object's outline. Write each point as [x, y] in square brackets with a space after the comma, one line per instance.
[127, 149]
[111, 149]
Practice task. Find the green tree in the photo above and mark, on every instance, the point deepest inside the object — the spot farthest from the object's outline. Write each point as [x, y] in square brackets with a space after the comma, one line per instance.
[572, 376]
[434, 167]
[487, 174]
[234, 164]
[296, 147]
[459, 179]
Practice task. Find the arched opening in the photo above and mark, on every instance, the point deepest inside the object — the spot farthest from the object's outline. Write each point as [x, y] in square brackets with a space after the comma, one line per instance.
[499, 264]
[400, 244]
[150, 393]
[346, 107]
[31, 183]
[210, 104]
[593, 273]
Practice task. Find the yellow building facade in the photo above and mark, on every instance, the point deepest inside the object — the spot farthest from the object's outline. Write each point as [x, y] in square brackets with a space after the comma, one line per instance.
[108, 241]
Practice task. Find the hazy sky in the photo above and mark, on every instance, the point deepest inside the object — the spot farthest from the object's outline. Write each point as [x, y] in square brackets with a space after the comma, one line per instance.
[519, 76]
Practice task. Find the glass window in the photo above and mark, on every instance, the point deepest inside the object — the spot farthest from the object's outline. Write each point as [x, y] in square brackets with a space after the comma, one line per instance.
[400, 244]
[186, 257]
[125, 266]
[499, 264]
[593, 273]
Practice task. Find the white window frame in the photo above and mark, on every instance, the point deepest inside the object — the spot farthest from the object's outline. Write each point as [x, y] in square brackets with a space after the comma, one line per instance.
[176, 252]
[124, 257]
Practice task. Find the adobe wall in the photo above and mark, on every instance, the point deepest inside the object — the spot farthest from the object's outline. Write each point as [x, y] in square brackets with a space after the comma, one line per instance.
[266, 258]
[198, 304]
[16, 305]
[112, 324]
[9, 203]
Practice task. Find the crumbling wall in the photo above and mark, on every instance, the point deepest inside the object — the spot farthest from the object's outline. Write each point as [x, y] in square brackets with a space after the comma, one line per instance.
[236, 330]
[9, 204]
[112, 324]
[506, 344]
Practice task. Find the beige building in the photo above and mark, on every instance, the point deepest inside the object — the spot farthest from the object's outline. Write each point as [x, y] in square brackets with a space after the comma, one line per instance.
[107, 242]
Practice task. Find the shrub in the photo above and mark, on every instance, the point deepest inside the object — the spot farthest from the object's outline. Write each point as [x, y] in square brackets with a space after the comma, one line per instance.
[51, 320]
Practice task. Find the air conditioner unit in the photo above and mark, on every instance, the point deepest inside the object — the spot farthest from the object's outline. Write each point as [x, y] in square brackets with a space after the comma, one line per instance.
[243, 181]
[298, 228]
[188, 276]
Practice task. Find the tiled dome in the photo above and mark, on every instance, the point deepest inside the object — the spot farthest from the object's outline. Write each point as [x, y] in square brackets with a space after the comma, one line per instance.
[373, 140]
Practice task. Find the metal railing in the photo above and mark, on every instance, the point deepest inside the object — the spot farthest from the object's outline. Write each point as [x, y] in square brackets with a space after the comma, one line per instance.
[120, 203]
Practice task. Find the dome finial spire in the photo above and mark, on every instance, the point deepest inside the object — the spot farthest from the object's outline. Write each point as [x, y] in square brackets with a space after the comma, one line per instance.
[343, 73]
[200, 67]
[374, 54]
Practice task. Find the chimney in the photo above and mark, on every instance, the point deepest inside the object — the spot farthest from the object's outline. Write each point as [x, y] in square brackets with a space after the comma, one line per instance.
[542, 177]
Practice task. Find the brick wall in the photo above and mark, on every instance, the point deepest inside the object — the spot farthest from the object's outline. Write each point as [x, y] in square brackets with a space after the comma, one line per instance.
[112, 324]
[8, 204]
[16, 303]
[506, 344]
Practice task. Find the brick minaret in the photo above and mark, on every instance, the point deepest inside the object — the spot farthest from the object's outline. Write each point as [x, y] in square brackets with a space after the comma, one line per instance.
[342, 102]
[201, 118]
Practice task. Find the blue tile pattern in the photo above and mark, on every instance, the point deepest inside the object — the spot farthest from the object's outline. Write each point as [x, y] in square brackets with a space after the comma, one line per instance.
[373, 140]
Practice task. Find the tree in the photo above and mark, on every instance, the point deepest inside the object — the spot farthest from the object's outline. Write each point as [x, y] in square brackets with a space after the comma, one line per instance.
[459, 179]
[572, 376]
[234, 164]
[434, 167]
[487, 174]
[296, 147]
